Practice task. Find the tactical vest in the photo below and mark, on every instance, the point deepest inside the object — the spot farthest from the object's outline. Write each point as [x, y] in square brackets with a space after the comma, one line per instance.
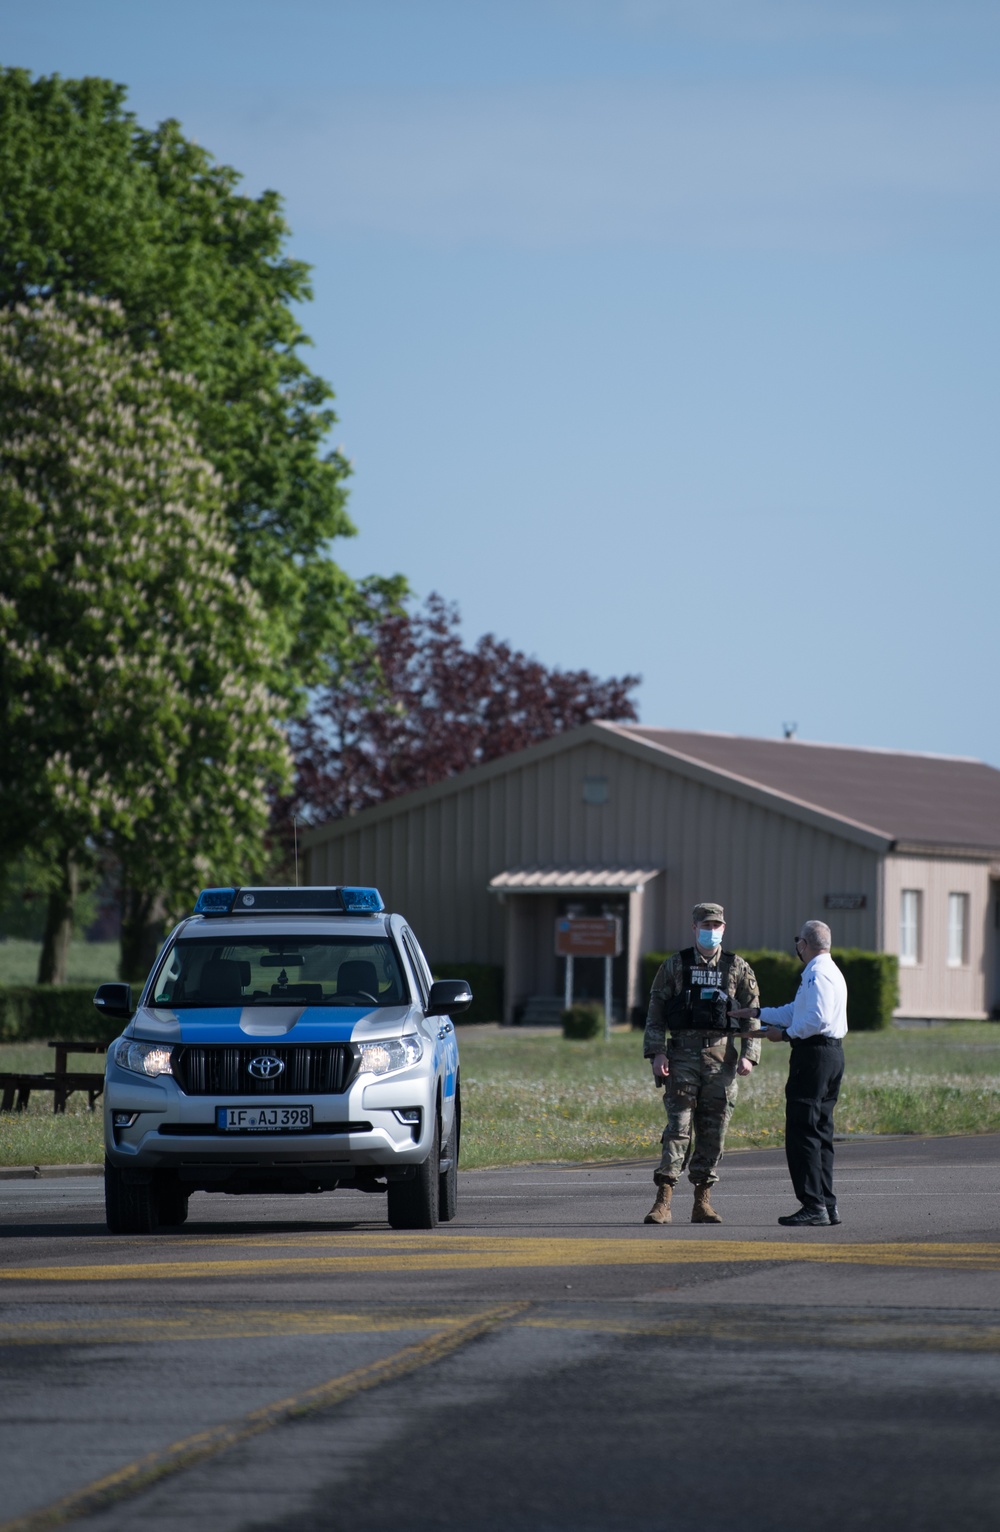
[704, 995]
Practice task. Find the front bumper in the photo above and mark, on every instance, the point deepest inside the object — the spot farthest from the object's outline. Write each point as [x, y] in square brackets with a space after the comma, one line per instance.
[357, 1128]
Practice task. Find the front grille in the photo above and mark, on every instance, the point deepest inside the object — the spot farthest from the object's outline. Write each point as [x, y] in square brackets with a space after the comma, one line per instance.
[223, 1070]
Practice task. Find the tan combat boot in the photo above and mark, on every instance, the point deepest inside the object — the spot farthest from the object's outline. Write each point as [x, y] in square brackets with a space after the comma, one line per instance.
[660, 1211]
[703, 1211]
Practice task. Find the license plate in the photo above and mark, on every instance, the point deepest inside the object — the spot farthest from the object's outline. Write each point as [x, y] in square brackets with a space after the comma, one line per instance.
[263, 1119]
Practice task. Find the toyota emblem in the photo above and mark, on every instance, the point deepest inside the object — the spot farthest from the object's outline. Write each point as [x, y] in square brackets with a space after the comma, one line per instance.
[266, 1067]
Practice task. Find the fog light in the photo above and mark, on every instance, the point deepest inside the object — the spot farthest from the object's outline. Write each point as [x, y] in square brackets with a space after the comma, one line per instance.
[123, 1119]
[408, 1114]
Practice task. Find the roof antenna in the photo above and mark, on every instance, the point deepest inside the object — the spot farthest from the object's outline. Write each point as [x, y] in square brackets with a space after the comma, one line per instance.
[788, 730]
[295, 833]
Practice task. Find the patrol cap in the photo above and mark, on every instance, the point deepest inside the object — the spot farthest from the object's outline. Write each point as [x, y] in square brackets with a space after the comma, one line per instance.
[708, 912]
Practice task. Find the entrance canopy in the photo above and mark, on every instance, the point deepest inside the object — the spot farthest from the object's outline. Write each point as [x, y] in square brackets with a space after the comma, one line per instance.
[552, 879]
[535, 895]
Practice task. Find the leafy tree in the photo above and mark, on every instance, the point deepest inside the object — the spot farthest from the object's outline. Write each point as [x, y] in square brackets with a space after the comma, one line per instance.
[92, 203]
[138, 707]
[24, 890]
[419, 706]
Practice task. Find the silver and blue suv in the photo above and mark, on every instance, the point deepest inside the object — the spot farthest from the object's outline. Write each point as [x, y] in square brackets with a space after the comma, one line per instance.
[287, 1040]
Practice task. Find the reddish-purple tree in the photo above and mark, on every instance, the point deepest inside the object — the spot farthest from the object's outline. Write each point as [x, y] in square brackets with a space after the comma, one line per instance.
[422, 707]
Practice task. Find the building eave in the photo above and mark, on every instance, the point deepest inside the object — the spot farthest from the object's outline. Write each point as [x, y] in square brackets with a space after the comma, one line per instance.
[941, 849]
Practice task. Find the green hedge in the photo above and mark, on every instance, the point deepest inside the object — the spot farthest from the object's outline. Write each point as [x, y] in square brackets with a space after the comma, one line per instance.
[49, 1012]
[486, 983]
[778, 974]
[872, 987]
[872, 981]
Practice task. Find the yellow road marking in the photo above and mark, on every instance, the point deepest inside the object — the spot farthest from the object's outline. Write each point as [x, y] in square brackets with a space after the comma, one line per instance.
[206, 1324]
[838, 1330]
[478, 1253]
[138, 1475]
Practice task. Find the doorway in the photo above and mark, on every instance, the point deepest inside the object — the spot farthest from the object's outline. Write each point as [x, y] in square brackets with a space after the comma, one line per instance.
[588, 973]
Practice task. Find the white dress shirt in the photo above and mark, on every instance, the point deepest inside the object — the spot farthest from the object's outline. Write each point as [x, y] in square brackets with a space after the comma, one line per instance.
[820, 1006]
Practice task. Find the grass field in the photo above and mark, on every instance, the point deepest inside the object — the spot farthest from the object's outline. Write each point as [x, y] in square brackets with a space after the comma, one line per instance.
[540, 1098]
[89, 962]
[529, 1097]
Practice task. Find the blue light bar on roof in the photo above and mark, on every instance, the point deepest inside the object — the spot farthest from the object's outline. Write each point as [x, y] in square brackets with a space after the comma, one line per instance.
[362, 901]
[215, 901]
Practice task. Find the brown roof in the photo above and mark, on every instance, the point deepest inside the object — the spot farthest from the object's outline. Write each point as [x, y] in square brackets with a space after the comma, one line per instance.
[926, 800]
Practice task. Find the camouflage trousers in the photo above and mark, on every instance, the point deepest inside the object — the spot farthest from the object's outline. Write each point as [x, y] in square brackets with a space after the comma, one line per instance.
[699, 1098]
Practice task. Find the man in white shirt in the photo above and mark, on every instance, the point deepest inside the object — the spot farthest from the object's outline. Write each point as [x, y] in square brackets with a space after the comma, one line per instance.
[814, 1024]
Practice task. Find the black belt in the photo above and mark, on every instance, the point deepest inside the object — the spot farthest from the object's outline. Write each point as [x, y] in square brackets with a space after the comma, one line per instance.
[818, 1041]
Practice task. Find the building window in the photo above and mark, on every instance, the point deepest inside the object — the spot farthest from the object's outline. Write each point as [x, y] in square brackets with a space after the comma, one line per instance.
[958, 930]
[909, 927]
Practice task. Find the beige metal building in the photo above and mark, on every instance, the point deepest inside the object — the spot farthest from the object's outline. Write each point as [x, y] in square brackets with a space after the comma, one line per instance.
[898, 852]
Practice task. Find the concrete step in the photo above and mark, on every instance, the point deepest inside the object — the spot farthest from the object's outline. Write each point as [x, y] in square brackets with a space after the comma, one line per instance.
[542, 1011]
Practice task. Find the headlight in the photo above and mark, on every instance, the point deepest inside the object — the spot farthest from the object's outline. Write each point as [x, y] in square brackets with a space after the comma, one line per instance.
[144, 1058]
[381, 1058]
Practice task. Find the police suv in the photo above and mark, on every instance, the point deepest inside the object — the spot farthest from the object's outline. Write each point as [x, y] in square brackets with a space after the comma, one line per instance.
[287, 1040]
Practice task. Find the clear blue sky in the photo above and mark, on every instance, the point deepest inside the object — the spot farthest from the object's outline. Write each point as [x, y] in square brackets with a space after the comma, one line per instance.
[664, 332]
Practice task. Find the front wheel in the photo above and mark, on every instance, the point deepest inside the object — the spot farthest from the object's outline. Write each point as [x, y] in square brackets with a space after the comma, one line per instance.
[414, 1204]
[129, 1207]
[448, 1177]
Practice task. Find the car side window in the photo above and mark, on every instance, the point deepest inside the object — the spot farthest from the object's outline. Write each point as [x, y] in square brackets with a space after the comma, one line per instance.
[419, 966]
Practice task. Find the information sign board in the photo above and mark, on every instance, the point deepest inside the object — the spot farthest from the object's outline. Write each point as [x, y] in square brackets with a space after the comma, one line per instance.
[597, 936]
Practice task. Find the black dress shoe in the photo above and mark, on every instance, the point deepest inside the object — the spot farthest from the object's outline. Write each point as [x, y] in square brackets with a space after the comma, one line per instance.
[833, 1212]
[814, 1217]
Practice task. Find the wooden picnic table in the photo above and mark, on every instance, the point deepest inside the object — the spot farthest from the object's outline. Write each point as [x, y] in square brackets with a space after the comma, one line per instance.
[17, 1085]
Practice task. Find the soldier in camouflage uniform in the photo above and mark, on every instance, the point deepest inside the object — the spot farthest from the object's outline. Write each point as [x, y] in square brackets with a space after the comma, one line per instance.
[699, 1064]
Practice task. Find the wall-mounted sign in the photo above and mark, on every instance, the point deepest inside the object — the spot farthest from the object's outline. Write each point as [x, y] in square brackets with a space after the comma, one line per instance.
[845, 901]
[597, 936]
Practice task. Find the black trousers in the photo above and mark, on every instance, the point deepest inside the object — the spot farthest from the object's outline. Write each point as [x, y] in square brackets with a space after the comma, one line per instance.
[814, 1077]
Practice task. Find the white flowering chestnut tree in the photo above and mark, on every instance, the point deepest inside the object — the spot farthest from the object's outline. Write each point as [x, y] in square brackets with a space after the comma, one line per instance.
[140, 712]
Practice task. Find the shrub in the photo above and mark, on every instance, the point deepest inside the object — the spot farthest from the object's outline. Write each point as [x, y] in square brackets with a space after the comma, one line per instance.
[486, 982]
[45, 1012]
[583, 1021]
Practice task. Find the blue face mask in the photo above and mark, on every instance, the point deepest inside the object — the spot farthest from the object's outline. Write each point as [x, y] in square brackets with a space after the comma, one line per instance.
[709, 938]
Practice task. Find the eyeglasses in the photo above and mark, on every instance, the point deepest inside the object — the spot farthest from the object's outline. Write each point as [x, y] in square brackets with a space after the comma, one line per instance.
[796, 940]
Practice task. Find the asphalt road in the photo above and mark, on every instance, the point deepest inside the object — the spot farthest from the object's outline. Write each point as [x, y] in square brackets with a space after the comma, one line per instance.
[547, 1362]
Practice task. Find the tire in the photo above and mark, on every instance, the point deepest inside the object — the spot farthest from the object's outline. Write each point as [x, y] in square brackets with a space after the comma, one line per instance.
[414, 1204]
[172, 1205]
[129, 1207]
[448, 1179]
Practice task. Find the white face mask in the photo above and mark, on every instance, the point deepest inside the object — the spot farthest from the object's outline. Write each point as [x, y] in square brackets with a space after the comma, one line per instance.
[708, 938]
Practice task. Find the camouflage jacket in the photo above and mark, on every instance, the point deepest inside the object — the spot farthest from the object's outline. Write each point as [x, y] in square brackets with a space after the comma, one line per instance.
[668, 984]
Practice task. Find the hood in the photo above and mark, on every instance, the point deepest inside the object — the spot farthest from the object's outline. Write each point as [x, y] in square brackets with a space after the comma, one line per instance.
[270, 1024]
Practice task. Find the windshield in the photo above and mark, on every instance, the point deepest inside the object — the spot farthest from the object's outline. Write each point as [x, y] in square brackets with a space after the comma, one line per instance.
[280, 970]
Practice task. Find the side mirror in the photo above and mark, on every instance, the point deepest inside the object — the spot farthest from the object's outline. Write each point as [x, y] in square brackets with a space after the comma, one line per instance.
[448, 996]
[115, 1000]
